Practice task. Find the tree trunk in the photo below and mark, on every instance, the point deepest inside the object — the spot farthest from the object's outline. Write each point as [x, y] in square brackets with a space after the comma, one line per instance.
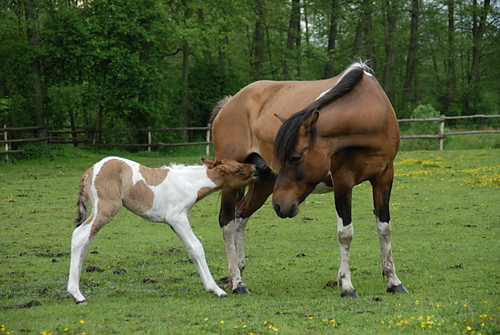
[332, 38]
[363, 44]
[389, 47]
[259, 41]
[451, 77]
[32, 31]
[185, 86]
[293, 39]
[477, 40]
[411, 61]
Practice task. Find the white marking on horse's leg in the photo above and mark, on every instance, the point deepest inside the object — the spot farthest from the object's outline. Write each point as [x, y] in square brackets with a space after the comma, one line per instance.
[234, 241]
[196, 253]
[80, 242]
[388, 268]
[345, 234]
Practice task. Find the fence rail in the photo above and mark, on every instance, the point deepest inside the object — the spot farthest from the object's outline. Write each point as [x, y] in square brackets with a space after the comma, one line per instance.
[442, 121]
[89, 137]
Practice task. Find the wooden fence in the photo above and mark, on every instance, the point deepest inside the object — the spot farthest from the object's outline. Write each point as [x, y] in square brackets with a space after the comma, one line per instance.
[442, 121]
[87, 137]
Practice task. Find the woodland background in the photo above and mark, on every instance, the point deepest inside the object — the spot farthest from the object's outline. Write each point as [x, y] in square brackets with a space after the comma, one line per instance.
[107, 64]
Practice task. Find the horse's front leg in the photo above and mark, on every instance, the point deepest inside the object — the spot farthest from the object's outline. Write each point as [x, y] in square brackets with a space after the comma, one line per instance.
[233, 233]
[233, 219]
[345, 233]
[381, 196]
[196, 253]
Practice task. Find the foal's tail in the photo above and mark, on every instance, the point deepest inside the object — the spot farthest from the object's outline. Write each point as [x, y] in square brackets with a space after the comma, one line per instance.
[81, 202]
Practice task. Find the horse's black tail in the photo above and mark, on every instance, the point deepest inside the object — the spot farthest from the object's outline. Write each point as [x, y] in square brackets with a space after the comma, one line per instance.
[81, 203]
[218, 107]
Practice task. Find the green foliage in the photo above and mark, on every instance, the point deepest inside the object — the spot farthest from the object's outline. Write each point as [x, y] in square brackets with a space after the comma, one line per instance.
[143, 281]
[114, 63]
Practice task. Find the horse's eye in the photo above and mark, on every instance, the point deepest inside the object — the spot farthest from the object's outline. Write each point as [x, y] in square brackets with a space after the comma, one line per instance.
[295, 159]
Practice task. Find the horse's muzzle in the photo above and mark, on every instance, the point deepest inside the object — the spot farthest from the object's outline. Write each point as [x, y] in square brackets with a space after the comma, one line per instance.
[283, 212]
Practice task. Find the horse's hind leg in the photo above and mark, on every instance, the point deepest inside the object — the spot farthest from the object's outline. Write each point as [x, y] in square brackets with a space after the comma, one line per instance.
[381, 195]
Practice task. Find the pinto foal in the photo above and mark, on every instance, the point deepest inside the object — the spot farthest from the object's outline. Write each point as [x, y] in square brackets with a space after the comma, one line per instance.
[156, 194]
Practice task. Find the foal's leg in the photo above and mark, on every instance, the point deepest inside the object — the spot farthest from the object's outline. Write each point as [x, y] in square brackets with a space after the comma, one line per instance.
[345, 233]
[80, 242]
[196, 253]
[81, 239]
[381, 195]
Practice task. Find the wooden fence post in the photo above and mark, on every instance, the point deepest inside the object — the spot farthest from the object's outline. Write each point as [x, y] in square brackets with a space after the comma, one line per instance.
[207, 148]
[149, 139]
[6, 145]
[441, 133]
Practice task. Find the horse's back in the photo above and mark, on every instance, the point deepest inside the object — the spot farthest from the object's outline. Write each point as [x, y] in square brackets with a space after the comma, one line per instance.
[246, 123]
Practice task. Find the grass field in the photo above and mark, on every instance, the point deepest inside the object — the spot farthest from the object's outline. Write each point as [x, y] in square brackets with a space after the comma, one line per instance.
[446, 241]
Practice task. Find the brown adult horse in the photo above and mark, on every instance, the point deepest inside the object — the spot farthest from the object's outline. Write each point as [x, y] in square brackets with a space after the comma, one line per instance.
[345, 133]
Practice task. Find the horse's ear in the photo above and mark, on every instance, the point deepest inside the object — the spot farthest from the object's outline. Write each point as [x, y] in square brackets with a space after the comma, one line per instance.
[281, 118]
[310, 123]
[207, 162]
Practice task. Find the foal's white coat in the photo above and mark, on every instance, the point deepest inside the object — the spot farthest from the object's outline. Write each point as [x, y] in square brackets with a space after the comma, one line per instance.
[159, 195]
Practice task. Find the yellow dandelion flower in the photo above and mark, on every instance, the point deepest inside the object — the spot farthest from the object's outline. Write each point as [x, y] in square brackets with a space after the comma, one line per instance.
[265, 323]
[382, 322]
[311, 317]
[468, 328]
[332, 320]
[222, 321]
[244, 326]
[465, 305]
[205, 319]
[82, 322]
[235, 327]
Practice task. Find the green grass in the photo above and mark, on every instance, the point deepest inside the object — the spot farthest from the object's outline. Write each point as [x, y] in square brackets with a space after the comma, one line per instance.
[446, 233]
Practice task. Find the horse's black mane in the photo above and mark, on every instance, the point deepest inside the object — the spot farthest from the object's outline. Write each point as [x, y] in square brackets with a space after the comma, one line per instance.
[288, 133]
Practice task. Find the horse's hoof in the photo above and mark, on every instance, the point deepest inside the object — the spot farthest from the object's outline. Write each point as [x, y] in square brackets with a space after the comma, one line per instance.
[83, 302]
[397, 289]
[349, 294]
[241, 290]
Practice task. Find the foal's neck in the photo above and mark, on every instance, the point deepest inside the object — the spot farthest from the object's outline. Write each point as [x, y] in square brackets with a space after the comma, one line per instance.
[197, 176]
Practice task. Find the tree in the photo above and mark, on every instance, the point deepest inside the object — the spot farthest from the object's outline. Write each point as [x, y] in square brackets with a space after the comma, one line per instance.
[411, 60]
[332, 38]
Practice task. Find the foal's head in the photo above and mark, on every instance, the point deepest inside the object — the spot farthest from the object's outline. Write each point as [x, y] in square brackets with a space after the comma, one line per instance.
[228, 173]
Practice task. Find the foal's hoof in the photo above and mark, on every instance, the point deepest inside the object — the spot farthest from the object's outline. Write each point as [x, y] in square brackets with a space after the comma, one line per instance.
[83, 302]
[349, 294]
[241, 290]
[397, 289]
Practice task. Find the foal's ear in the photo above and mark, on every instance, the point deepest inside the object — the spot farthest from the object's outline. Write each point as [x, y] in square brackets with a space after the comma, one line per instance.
[207, 162]
[281, 118]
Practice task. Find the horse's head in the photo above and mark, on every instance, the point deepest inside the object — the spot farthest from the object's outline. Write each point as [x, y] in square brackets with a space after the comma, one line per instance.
[230, 173]
[304, 162]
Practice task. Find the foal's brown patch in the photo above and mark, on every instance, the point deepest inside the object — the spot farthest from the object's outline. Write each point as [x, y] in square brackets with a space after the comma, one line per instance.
[139, 198]
[153, 176]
